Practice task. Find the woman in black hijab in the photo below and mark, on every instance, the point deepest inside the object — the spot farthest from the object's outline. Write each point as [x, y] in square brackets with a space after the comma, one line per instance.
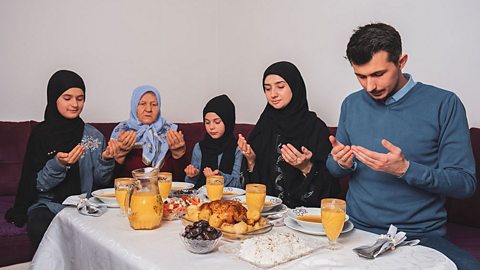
[217, 153]
[64, 157]
[289, 145]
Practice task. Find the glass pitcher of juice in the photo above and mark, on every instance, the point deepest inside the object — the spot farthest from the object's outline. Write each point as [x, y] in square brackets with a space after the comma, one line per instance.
[144, 203]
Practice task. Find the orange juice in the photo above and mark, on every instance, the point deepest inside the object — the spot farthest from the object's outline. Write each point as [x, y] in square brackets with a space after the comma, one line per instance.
[165, 187]
[214, 191]
[255, 195]
[146, 210]
[333, 220]
[255, 200]
[120, 194]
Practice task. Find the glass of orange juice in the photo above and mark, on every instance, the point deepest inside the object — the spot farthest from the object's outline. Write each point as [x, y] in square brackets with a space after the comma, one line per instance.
[333, 218]
[121, 188]
[215, 187]
[164, 184]
[255, 195]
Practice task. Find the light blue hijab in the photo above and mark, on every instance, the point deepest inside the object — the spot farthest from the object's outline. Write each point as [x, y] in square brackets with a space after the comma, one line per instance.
[151, 137]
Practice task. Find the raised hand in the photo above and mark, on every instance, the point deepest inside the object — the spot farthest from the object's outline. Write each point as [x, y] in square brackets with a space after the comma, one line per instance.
[191, 171]
[247, 151]
[176, 143]
[70, 158]
[112, 150]
[299, 160]
[393, 162]
[209, 172]
[342, 154]
[126, 141]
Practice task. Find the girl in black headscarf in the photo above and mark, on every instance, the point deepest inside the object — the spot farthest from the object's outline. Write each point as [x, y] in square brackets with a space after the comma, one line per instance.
[64, 157]
[289, 145]
[217, 153]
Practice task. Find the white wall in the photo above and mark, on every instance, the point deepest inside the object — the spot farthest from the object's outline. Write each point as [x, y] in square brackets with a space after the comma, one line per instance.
[115, 46]
[193, 50]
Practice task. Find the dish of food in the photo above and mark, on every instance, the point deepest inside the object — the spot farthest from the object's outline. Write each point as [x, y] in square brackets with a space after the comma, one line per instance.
[270, 202]
[230, 192]
[174, 208]
[309, 218]
[293, 224]
[200, 237]
[237, 236]
[106, 195]
[230, 217]
[181, 185]
[273, 249]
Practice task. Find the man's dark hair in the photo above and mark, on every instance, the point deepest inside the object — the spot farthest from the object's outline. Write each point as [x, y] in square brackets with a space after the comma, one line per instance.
[372, 38]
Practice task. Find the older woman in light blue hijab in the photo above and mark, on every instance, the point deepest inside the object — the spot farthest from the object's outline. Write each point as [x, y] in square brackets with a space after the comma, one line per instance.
[146, 128]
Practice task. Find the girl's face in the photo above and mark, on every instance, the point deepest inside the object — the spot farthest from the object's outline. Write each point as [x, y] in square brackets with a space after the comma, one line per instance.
[147, 109]
[70, 103]
[214, 125]
[277, 91]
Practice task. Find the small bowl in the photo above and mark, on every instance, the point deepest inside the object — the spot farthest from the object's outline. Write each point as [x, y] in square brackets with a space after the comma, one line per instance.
[106, 195]
[309, 225]
[200, 246]
[230, 192]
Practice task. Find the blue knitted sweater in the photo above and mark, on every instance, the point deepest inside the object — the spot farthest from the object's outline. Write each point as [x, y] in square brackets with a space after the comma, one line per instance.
[430, 126]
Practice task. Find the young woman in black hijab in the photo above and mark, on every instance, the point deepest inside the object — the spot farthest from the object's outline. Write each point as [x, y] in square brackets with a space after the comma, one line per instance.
[217, 153]
[64, 157]
[289, 145]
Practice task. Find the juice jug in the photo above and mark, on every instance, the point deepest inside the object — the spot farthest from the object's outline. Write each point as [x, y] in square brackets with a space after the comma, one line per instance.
[145, 205]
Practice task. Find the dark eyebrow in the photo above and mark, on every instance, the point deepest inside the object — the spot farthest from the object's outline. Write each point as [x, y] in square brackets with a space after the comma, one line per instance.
[69, 95]
[283, 81]
[376, 72]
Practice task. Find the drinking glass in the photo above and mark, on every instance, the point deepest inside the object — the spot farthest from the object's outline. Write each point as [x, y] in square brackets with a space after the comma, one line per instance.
[215, 187]
[164, 184]
[333, 218]
[121, 186]
[255, 194]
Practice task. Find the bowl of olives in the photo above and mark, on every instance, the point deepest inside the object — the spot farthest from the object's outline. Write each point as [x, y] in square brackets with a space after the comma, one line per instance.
[200, 237]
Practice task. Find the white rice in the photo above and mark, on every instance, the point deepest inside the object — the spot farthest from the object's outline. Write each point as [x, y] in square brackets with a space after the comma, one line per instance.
[274, 248]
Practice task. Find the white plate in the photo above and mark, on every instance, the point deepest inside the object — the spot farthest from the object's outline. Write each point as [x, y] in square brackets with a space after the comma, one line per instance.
[100, 203]
[282, 208]
[302, 211]
[273, 202]
[230, 192]
[181, 185]
[292, 224]
[108, 200]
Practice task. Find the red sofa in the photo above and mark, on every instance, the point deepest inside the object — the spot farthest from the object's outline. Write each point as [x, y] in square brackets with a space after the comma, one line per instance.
[15, 247]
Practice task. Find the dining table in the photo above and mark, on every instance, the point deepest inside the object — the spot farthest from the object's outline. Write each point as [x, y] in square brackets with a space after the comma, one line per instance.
[75, 241]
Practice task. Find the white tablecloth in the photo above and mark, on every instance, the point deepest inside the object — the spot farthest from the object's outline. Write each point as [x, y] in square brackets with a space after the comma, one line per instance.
[74, 241]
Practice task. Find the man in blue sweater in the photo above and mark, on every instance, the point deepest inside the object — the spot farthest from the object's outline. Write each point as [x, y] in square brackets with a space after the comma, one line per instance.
[405, 145]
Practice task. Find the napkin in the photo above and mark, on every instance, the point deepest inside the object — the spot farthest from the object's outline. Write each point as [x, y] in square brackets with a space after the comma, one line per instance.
[385, 242]
[85, 207]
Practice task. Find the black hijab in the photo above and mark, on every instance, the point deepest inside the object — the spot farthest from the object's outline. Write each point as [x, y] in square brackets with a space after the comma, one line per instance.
[55, 134]
[211, 148]
[294, 124]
